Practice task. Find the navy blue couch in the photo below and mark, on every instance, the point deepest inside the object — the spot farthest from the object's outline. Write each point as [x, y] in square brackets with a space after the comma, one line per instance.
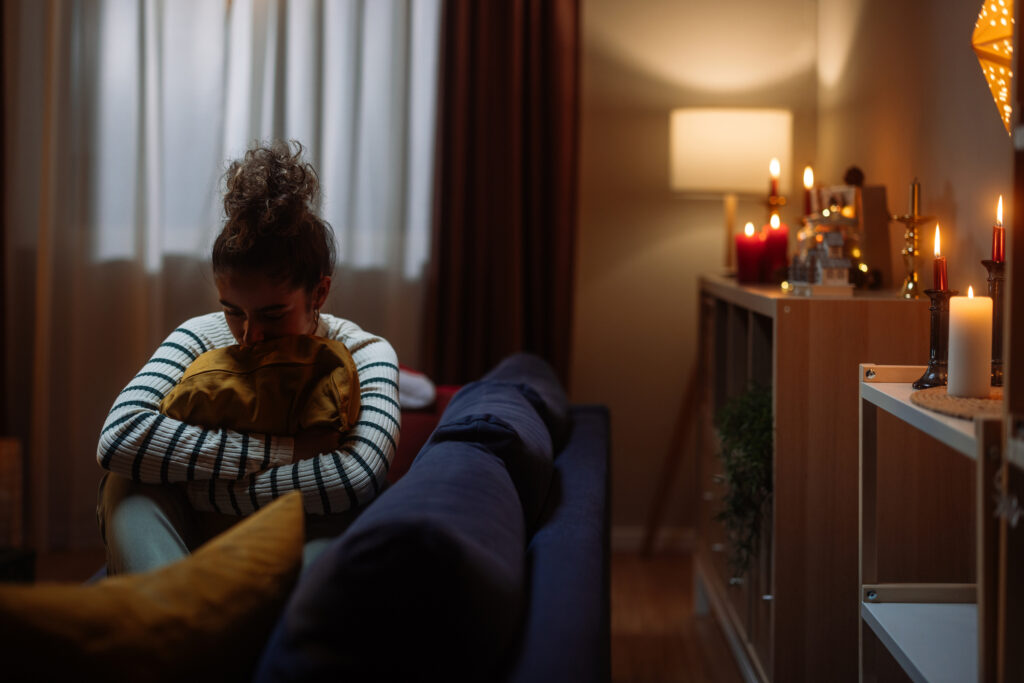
[486, 561]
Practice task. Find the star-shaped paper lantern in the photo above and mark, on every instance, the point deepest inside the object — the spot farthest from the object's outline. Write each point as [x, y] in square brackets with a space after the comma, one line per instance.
[993, 43]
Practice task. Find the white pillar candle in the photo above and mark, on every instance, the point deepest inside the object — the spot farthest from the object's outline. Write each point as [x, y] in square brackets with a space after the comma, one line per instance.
[970, 345]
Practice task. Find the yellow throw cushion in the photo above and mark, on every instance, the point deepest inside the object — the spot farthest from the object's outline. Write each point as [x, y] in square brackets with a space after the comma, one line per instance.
[204, 618]
[281, 386]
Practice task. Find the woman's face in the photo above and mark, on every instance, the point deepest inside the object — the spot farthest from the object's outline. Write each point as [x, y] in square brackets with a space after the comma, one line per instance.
[258, 308]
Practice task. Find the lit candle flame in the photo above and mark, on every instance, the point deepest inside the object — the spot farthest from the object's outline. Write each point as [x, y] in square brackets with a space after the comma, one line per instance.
[773, 168]
[970, 292]
[775, 222]
[748, 229]
[808, 178]
[999, 211]
[937, 252]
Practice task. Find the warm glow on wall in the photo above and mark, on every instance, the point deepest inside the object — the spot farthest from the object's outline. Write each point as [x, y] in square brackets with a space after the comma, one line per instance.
[993, 43]
[707, 47]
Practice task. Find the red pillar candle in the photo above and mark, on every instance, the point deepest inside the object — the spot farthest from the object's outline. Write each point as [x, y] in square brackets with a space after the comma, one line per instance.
[749, 251]
[999, 235]
[939, 280]
[776, 248]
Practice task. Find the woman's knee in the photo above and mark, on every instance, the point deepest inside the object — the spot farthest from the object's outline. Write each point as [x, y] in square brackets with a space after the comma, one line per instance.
[142, 523]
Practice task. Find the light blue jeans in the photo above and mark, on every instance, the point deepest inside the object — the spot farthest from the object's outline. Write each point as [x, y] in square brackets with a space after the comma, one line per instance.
[148, 526]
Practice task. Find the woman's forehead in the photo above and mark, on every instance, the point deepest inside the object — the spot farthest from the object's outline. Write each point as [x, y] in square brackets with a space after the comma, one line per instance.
[255, 290]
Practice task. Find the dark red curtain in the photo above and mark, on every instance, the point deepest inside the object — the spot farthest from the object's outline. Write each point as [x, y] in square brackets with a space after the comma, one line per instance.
[4, 427]
[501, 274]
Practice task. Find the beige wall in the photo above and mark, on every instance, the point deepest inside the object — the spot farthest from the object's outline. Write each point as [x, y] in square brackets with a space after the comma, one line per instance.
[889, 85]
[640, 245]
[902, 95]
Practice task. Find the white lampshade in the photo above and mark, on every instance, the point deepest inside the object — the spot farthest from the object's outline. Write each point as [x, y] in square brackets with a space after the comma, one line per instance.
[717, 151]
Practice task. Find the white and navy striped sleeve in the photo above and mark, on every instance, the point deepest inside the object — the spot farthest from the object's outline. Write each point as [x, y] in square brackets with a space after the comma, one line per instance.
[139, 442]
[331, 482]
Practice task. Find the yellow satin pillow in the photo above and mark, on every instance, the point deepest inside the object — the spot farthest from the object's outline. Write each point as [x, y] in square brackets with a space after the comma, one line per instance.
[281, 386]
[204, 618]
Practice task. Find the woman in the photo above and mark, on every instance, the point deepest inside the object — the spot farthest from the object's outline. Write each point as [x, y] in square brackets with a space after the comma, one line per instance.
[170, 485]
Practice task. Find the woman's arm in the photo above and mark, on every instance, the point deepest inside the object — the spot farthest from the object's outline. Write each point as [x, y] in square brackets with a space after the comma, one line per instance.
[140, 443]
[349, 476]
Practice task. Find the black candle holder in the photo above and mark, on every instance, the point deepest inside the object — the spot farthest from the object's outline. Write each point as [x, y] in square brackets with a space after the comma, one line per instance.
[996, 278]
[938, 355]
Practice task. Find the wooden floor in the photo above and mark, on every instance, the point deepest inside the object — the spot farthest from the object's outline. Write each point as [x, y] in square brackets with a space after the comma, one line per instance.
[69, 565]
[655, 634]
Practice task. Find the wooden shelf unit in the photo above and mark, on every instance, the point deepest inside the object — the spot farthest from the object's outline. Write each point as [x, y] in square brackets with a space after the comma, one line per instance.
[927, 585]
[790, 618]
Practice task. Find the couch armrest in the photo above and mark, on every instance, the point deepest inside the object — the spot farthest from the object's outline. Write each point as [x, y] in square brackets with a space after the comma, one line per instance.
[567, 634]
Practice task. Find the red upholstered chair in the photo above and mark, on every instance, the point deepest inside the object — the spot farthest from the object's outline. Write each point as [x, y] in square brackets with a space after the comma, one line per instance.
[417, 425]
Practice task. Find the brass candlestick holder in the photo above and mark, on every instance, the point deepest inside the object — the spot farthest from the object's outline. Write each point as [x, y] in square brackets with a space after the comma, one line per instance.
[938, 354]
[911, 287]
[996, 278]
[775, 202]
[912, 219]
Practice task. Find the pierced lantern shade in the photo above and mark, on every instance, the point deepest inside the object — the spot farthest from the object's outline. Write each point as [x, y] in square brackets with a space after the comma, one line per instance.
[993, 42]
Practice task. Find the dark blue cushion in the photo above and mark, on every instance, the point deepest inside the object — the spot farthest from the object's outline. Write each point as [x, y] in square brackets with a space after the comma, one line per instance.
[426, 584]
[566, 635]
[539, 384]
[496, 415]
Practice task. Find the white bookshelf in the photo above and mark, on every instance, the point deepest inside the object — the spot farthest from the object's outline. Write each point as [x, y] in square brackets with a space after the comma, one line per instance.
[934, 634]
[933, 642]
[894, 398]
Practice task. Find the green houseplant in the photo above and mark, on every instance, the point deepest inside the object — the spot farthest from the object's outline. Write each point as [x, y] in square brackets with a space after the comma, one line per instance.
[744, 426]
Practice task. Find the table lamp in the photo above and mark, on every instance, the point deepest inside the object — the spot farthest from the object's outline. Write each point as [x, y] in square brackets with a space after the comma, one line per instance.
[725, 153]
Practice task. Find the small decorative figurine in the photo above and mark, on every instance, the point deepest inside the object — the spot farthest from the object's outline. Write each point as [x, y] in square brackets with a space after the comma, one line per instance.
[821, 266]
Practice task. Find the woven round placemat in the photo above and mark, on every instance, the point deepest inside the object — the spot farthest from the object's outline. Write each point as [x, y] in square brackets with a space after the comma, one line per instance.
[940, 401]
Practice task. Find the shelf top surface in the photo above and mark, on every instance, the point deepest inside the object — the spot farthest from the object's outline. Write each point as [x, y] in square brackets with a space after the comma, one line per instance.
[934, 643]
[894, 397]
[759, 298]
[763, 298]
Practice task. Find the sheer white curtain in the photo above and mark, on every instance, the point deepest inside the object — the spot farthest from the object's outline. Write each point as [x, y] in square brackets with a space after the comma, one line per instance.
[119, 117]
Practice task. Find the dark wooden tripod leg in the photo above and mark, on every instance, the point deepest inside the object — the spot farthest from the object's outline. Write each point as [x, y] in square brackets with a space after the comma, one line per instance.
[673, 457]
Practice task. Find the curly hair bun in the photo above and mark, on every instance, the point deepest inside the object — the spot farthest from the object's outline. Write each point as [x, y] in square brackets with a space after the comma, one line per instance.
[270, 190]
[270, 224]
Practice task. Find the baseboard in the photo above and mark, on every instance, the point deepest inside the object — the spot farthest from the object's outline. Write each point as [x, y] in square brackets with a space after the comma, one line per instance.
[630, 539]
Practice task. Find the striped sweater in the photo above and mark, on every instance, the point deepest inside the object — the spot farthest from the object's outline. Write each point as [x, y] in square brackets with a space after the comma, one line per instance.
[236, 473]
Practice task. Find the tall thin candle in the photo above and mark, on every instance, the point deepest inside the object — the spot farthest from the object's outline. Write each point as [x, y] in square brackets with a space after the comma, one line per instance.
[939, 280]
[999, 235]
[774, 170]
[808, 186]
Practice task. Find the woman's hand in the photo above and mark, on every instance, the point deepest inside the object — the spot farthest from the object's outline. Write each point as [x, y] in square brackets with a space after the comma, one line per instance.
[310, 443]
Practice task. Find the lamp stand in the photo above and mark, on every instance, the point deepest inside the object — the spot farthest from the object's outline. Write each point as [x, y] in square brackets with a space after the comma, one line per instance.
[729, 202]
